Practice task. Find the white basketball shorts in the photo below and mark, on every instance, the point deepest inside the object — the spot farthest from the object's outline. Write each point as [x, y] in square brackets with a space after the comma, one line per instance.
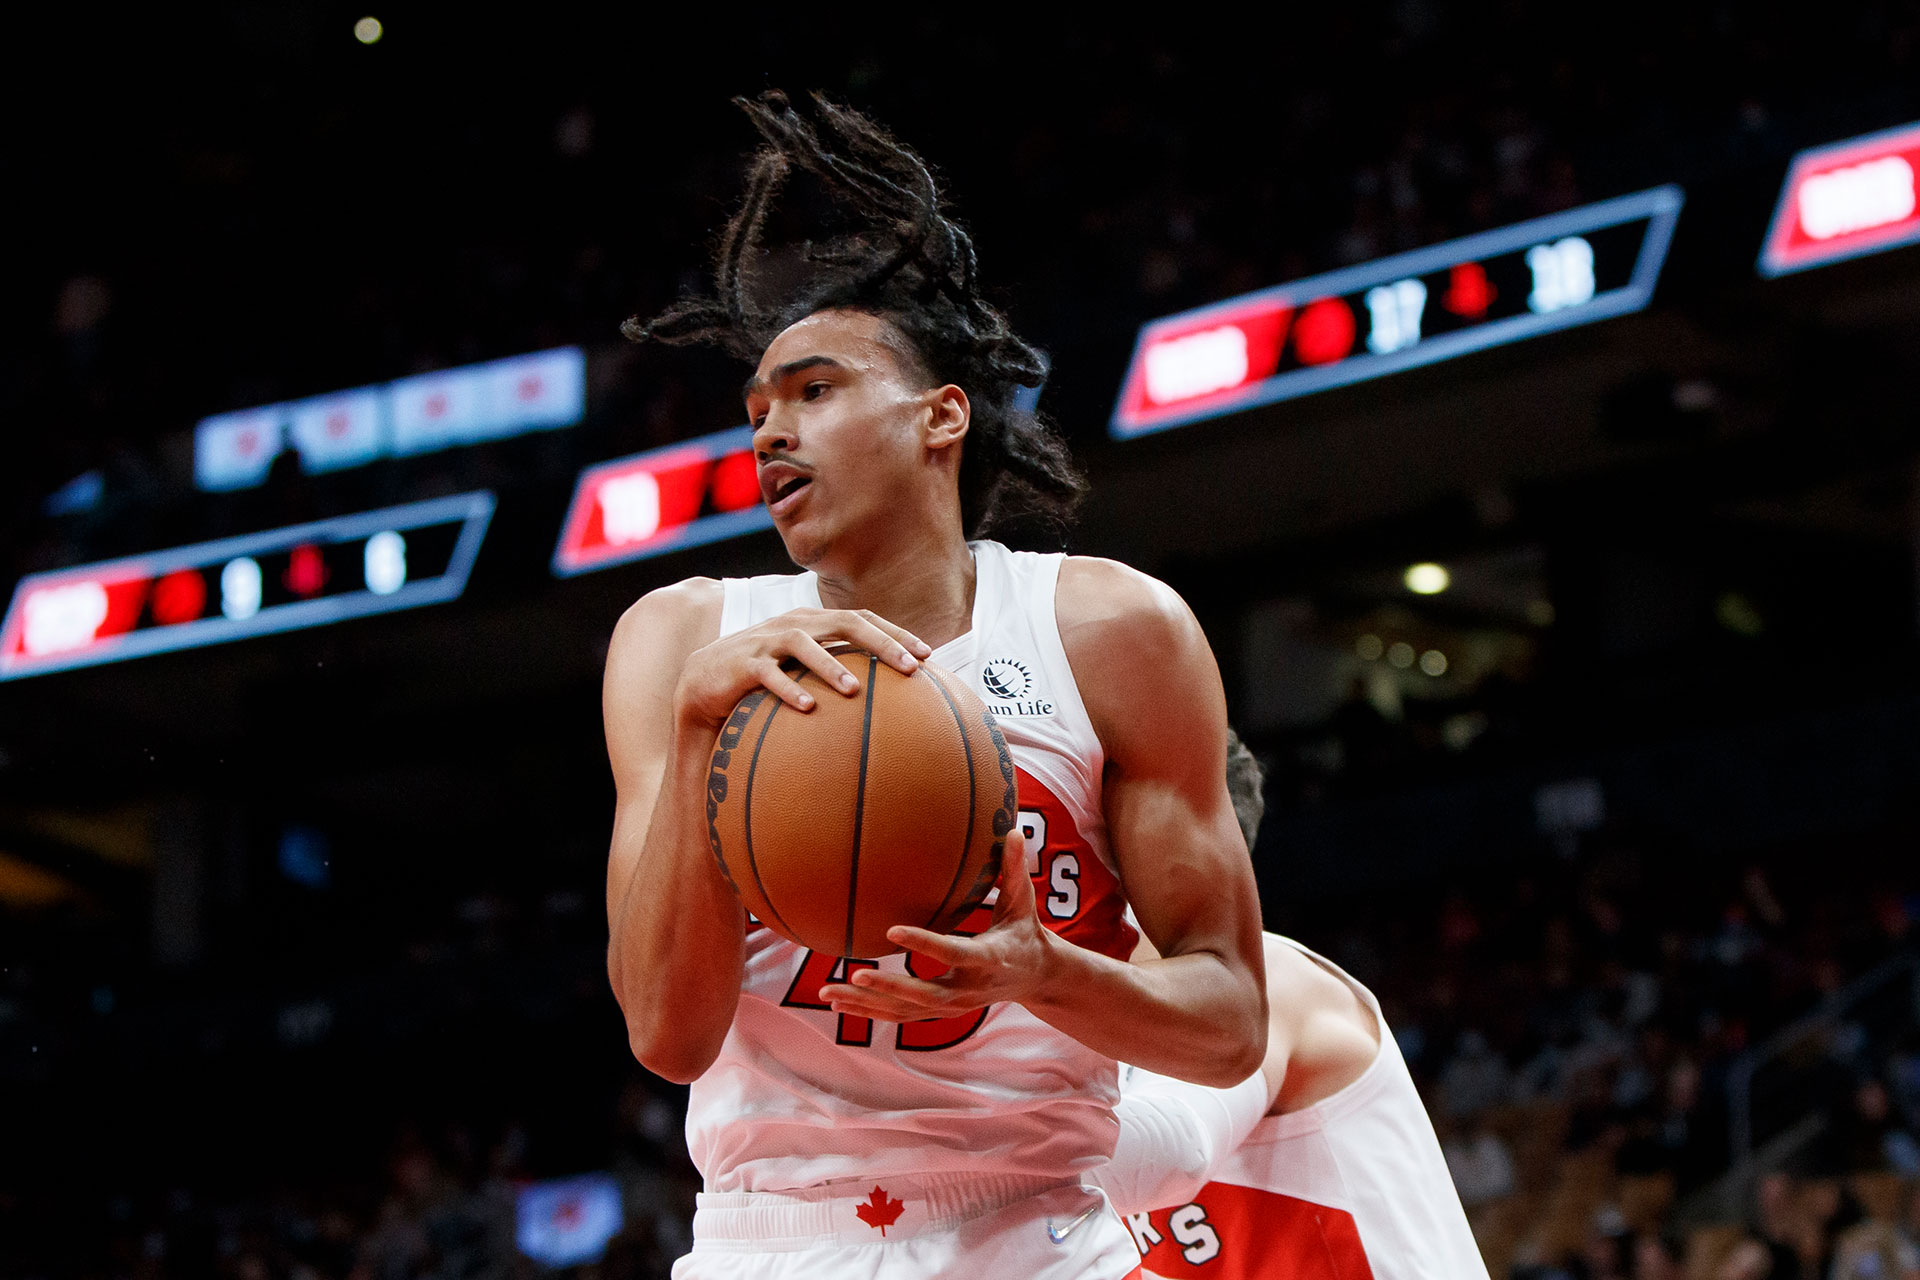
[965, 1226]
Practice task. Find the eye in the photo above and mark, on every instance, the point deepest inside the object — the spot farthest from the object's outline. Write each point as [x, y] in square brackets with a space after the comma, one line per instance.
[814, 390]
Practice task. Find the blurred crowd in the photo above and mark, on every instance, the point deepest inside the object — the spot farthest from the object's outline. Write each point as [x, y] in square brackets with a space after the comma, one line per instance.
[1603, 1045]
[1577, 1028]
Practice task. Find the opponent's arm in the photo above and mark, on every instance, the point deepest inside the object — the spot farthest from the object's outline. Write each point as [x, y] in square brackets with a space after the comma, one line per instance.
[1153, 692]
[676, 932]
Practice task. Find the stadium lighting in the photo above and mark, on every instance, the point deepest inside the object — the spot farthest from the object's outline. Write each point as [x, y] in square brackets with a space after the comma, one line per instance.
[368, 30]
[1427, 579]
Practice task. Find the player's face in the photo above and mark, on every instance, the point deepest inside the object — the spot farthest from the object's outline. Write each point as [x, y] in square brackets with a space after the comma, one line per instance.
[839, 414]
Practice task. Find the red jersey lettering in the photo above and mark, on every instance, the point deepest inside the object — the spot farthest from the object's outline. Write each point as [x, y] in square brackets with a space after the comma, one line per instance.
[1230, 1232]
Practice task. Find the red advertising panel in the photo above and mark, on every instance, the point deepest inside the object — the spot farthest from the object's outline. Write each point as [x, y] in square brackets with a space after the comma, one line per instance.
[1397, 313]
[1844, 200]
[256, 584]
[663, 500]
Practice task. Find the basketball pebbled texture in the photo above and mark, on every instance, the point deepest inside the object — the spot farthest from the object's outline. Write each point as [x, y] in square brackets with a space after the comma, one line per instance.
[889, 807]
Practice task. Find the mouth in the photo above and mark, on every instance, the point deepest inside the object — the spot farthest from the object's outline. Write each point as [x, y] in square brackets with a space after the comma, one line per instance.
[781, 484]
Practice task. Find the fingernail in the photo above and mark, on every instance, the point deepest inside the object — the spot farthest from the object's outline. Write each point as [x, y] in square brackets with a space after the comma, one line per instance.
[926, 650]
[908, 661]
[806, 700]
[846, 682]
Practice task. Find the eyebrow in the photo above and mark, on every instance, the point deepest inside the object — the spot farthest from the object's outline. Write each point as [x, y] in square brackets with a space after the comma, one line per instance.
[782, 372]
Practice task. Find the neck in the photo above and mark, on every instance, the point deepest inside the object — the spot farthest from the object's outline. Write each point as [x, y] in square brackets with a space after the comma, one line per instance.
[923, 584]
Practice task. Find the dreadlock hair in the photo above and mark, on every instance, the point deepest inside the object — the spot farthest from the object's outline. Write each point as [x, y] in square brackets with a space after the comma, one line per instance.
[867, 234]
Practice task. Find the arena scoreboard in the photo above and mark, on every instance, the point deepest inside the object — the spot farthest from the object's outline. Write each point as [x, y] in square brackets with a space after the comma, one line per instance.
[1396, 313]
[1844, 200]
[301, 576]
[667, 499]
[428, 412]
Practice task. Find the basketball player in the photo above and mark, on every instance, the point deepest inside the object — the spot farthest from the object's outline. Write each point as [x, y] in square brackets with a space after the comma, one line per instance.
[1323, 1166]
[932, 1114]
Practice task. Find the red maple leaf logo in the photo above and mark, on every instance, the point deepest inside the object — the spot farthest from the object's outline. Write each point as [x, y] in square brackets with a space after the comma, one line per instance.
[879, 1210]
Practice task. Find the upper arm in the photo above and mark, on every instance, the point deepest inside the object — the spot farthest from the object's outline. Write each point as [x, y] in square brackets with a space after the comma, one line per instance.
[650, 644]
[1152, 690]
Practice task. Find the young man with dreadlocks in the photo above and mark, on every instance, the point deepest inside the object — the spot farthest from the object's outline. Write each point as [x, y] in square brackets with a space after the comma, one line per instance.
[936, 1114]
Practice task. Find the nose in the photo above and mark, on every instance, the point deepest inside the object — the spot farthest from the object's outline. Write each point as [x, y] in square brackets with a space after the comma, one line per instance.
[774, 435]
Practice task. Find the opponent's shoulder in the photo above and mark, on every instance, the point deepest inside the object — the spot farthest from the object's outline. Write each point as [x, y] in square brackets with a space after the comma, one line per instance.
[1320, 1031]
[668, 623]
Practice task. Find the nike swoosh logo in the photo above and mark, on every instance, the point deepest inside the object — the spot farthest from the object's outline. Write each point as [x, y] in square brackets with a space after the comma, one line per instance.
[1059, 1234]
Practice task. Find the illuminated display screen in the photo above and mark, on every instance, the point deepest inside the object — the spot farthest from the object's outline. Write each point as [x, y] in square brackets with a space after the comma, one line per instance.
[1844, 200]
[1396, 313]
[280, 580]
[650, 503]
[422, 414]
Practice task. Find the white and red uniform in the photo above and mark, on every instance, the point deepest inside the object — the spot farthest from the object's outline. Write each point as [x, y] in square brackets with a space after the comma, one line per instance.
[811, 1126]
[1351, 1188]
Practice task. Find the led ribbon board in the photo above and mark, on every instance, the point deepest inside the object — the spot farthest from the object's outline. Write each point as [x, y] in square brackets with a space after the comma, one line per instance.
[302, 576]
[422, 414]
[1844, 200]
[1396, 313]
[662, 500]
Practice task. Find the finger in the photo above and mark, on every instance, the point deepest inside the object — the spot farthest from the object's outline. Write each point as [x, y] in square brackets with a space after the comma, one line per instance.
[1016, 888]
[876, 984]
[879, 1011]
[808, 651]
[781, 685]
[896, 645]
[899, 633]
[870, 1004]
[892, 1008]
[947, 949]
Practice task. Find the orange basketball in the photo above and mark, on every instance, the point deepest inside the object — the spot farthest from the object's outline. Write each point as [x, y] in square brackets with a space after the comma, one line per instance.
[889, 807]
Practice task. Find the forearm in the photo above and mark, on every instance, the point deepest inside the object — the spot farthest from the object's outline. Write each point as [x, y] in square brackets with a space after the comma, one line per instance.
[677, 946]
[1196, 1017]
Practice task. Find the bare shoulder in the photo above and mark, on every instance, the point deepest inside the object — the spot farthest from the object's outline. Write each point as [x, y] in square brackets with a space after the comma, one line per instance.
[1114, 620]
[668, 622]
[1103, 603]
[654, 639]
[1318, 1005]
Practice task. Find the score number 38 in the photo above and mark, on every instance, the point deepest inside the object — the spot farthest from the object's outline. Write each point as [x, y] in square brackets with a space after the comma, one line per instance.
[1562, 277]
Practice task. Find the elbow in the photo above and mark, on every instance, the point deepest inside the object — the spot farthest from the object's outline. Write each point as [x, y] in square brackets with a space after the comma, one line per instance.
[1241, 1051]
[673, 1058]
[1238, 1055]
[1249, 1052]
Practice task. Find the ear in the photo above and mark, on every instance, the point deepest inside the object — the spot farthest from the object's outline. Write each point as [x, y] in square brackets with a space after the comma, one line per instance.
[952, 412]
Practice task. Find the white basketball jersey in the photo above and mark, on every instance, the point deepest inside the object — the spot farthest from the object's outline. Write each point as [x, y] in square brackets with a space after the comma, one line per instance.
[801, 1095]
[1351, 1188]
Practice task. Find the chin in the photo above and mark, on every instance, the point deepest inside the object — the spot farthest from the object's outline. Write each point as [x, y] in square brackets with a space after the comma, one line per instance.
[803, 549]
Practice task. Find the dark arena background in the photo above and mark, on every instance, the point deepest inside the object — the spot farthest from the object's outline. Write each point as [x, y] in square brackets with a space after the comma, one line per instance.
[1523, 396]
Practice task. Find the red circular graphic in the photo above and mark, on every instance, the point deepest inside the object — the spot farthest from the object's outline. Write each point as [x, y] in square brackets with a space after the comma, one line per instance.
[1324, 332]
[179, 597]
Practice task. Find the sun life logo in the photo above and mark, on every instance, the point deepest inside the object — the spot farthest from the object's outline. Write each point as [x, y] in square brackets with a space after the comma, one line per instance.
[1008, 681]
[1007, 678]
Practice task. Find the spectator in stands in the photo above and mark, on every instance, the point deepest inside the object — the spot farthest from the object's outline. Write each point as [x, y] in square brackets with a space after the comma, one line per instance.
[1478, 1160]
[1872, 1139]
[1476, 1078]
